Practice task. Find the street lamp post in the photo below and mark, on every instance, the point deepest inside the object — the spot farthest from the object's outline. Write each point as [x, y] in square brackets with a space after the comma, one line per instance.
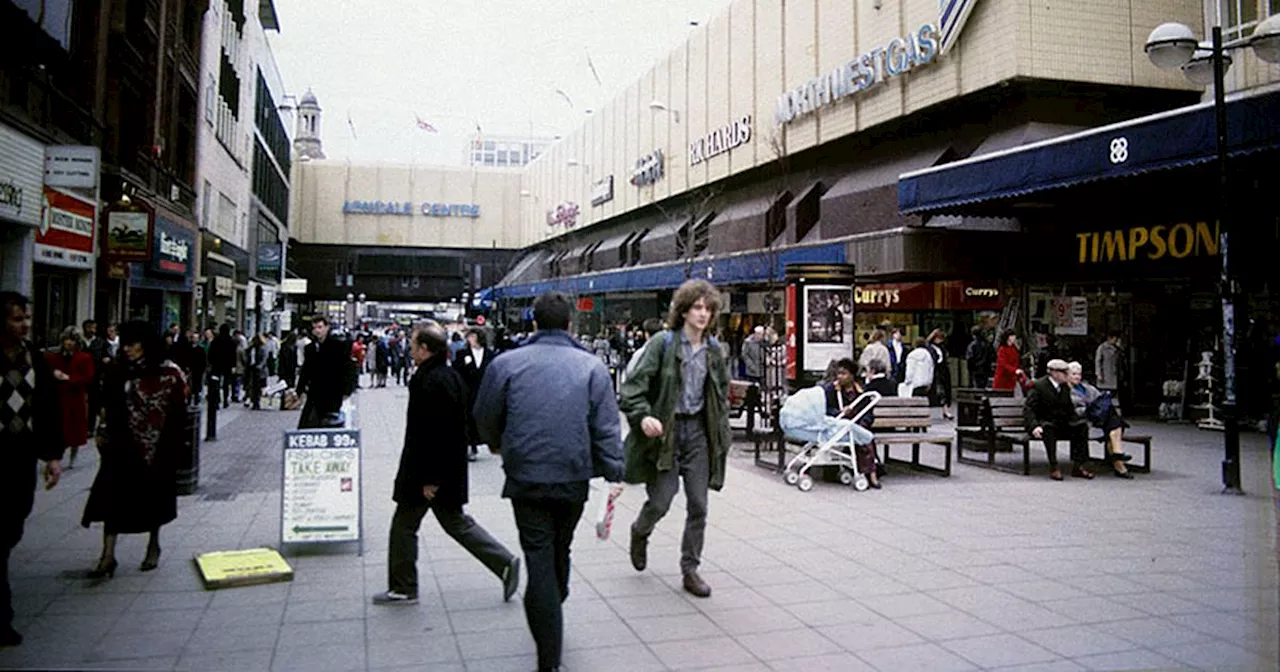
[1173, 45]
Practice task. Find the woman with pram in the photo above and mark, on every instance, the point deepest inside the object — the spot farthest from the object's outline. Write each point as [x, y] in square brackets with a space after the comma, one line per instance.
[841, 394]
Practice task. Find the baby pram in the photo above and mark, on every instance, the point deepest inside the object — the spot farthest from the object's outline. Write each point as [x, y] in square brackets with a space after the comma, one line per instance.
[828, 441]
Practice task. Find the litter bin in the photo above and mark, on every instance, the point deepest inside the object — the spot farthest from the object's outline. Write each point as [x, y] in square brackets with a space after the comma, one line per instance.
[189, 452]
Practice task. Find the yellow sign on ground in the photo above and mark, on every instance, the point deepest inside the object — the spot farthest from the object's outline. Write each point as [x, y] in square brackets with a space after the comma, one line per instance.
[225, 569]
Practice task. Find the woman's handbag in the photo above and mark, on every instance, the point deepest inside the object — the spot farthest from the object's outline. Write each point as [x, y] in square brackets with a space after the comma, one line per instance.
[1099, 409]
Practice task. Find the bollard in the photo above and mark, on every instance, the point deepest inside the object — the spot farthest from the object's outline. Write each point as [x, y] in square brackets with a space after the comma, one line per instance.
[214, 395]
[188, 472]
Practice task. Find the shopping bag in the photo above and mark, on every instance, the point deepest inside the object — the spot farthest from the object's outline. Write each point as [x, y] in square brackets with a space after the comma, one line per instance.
[604, 513]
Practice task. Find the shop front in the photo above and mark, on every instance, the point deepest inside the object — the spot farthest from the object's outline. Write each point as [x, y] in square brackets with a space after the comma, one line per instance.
[160, 290]
[64, 261]
[224, 275]
[917, 308]
[21, 182]
[1123, 234]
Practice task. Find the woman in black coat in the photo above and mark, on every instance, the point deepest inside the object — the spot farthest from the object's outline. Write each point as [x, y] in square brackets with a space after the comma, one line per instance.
[136, 490]
[472, 361]
[940, 395]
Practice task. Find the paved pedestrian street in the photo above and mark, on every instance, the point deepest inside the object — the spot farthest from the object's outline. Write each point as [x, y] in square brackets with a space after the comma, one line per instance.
[983, 570]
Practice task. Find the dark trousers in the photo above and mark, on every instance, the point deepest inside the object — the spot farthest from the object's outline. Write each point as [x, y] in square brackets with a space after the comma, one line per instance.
[693, 464]
[17, 494]
[402, 557]
[546, 533]
[1078, 435]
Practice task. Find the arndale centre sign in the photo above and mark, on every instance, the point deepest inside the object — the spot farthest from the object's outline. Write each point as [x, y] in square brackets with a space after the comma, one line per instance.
[898, 57]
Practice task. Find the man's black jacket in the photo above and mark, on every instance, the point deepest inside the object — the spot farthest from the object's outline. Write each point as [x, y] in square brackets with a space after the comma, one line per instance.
[435, 437]
[327, 374]
[1046, 407]
[222, 355]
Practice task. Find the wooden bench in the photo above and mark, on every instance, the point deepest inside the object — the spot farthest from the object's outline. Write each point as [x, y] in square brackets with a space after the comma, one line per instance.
[1001, 429]
[1137, 439]
[968, 414]
[908, 420]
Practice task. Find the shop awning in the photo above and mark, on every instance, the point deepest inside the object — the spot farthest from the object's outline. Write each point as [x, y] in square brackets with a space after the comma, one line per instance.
[1164, 141]
[731, 269]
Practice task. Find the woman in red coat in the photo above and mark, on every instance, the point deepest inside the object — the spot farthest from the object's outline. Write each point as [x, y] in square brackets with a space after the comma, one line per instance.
[1008, 363]
[73, 370]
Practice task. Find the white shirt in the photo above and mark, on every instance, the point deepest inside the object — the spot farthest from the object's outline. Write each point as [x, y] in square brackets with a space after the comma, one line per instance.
[477, 356]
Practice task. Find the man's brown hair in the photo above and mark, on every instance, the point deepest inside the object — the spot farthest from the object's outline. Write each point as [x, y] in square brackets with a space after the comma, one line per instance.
[687, 295]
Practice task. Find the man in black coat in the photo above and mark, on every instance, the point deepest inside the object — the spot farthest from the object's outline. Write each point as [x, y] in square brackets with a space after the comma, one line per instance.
[472, 361]
[30, 430]
[433, 474]
[1049, 415]
[328, 376]
[222, 361]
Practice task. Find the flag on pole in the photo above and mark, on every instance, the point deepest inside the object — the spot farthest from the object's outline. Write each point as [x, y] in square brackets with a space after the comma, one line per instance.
[424, 125]
[593, 70]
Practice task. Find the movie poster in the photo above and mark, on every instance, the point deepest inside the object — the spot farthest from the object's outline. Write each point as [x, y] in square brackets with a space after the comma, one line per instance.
[828, 325]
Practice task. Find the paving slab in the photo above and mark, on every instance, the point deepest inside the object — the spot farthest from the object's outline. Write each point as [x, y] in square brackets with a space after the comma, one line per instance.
[982, 570]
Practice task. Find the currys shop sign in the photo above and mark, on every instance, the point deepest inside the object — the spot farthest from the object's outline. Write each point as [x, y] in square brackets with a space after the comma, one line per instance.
[900, 56]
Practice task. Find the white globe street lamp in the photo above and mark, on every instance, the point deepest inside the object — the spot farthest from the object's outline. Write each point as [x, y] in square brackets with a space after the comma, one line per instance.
[1174, 45]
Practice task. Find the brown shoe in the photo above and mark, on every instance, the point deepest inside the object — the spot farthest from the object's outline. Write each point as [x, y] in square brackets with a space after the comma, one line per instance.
[639, 552]
[694, 585]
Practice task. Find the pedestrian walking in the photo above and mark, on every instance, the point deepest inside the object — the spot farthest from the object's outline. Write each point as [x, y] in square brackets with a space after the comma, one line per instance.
[875, 349]
[1009, 371]
[471, 363]
[237, 377]
[197, 364]
[358, 350]
[753, 355]
[676, 401]
[897, 355]
[30, 430]
[135, 490]
[981, 359]
[918, 380]
[1106, 364]
[73, 369]
[256, 371]
[327, 376]
[940, 393]
[222, 361]
[381, 360]
[433, 474]
[288, 360]
[548, 408]
[98, 348]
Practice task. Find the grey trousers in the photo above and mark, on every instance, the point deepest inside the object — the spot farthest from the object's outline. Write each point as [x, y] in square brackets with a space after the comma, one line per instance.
[402, 557]
[693, 464]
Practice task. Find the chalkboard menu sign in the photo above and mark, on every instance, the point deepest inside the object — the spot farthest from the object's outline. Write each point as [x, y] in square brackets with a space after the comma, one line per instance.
[320, 497]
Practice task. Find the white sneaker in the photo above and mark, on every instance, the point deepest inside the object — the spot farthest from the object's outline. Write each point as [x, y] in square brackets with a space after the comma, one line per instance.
[392, 597]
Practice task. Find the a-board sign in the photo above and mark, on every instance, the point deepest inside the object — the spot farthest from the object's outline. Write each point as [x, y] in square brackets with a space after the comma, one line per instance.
[225, 569]
[320, 497]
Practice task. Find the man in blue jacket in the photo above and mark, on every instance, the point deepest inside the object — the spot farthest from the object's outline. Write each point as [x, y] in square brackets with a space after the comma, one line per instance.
[548, 408]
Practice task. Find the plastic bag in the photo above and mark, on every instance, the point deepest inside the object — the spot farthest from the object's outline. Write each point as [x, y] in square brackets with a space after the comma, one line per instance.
[604, 513]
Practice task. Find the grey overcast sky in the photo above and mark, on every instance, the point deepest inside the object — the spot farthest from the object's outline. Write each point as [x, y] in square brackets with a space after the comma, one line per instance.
[454, 63]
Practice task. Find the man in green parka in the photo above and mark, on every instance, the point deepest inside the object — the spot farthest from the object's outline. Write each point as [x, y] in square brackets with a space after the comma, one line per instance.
[676, 402]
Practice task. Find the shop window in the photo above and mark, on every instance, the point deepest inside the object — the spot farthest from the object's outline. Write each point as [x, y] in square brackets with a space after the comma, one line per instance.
[624, 250]
[635, 248]
[1241, 16]
[775, 219]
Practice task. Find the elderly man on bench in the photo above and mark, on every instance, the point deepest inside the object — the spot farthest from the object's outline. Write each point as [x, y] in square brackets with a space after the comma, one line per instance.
[1050, 415]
